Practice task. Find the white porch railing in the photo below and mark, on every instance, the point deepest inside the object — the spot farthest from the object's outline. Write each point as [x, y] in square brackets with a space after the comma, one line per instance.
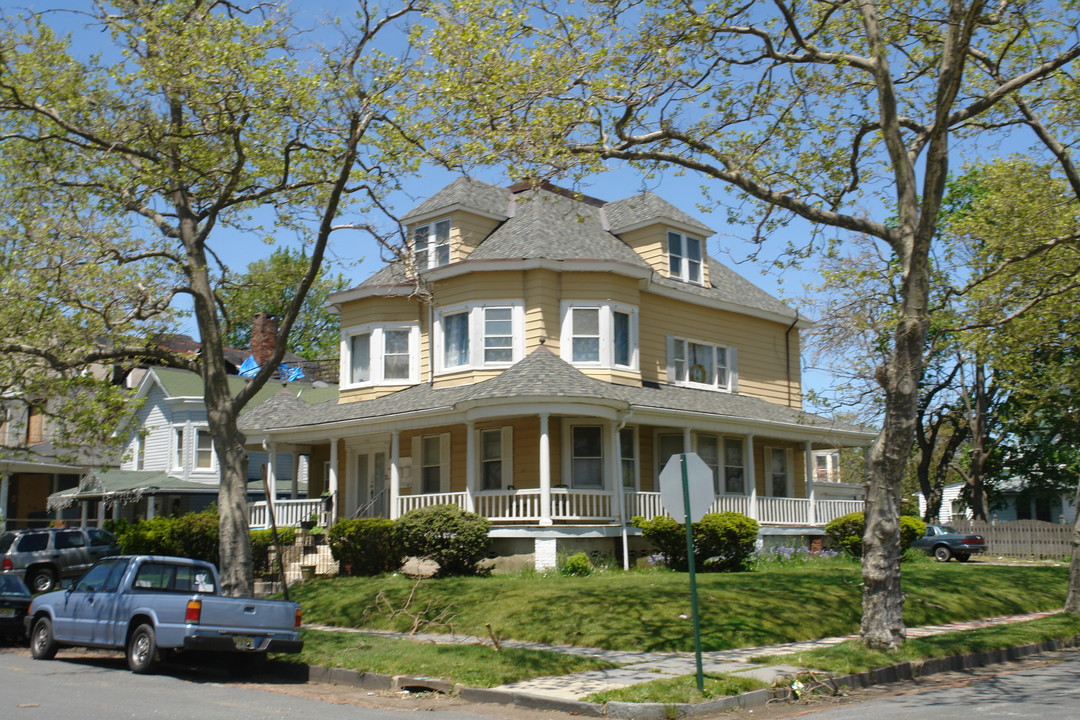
[415, 502]
[287, 513]
[829, 510]
[569, 504]
[509, 504]
[783, 511]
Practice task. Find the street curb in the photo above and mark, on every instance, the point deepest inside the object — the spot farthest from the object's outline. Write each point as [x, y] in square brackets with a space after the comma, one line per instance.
[377, 682]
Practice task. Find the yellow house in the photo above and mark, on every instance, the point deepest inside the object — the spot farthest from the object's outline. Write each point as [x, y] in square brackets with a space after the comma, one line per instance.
[538, 358]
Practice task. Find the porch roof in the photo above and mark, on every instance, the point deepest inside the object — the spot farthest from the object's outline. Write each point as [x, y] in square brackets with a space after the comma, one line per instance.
[130, 485]
[543, 378]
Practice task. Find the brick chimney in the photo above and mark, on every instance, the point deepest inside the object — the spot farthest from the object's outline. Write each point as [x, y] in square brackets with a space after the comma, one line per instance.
[264, 332]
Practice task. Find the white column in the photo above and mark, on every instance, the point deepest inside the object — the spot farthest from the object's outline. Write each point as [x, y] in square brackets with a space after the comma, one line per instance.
[271, 479]
[116, 511]
[545, 471]
[5, 489]
[470, 465]
[395, 474]
[687, 441]
[620, 491]
[751, 476]
[150, 508]
[101, 511]
[333, 479]
[84, 513]
[808, 462]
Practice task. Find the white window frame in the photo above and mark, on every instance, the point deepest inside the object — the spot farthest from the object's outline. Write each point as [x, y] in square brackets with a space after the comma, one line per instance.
[377, 355]
[634, 466]
[730, 364]
[680, 263]
[443, 464]
[429, 231]
[606, 321]
[138, 451]
[788, 468]
[476, 333]
[505, 459]
[178, 448]
[200, 431]
[568, 453]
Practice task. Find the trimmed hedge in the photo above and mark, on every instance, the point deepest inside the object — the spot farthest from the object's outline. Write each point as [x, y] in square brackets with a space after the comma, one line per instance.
[365, 546]
[846, 532]
[723, 542]
[451, 537]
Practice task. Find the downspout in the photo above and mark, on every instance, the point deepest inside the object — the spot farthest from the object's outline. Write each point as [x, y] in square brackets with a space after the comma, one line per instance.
[617, 453]
[787, 353]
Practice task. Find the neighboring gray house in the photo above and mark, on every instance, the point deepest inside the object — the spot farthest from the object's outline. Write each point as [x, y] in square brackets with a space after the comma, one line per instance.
[169, 465]
[1020, 503]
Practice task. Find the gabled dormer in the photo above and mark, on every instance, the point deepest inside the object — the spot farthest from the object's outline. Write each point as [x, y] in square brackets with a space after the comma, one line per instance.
[672, 242]
[448, 226]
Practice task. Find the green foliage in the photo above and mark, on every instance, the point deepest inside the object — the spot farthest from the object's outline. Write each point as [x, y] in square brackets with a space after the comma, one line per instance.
[262, 541]
[368, 546]
[577, 564]
[454, 539]
[723, 542]
[194, 535]
[846, 532]
[268, 286]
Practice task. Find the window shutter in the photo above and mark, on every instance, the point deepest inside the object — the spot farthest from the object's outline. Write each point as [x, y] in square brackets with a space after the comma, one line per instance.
[413, 469]
[444, 462]
[671, 359]
[508, 456]
[733, 368]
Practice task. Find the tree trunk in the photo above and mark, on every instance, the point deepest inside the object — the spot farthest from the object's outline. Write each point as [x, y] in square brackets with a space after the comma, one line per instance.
[237, 577]
[1072, 599]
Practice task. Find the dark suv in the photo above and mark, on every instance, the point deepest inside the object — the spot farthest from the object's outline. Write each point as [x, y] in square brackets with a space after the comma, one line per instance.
[42, 557]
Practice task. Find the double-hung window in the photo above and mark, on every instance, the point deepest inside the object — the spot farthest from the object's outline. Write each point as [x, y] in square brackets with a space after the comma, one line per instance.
[684, 257]
[778, 472]
[724, 458]
[387, 355]
[431, 244]
[701, 364]
[495, 457]
[431, 458]
[628, 458]
[483, 335]
[586, 456]
[177, 447]
[600, 335]
[204, 449]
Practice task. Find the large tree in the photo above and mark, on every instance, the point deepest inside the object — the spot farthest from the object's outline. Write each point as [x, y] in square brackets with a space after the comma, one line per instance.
[824, 111]
[126, 164]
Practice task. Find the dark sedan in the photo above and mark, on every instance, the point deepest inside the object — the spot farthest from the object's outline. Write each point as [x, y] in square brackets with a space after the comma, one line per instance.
[14, 601]
[944, 542]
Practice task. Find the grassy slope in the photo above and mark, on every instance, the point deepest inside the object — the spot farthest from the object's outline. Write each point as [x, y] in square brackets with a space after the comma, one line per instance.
[641, 611]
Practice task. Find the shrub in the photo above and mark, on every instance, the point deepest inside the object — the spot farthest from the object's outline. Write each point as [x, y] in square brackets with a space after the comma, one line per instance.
[577, 564]
[445, 534]
[194, 535]
[723, 542]
[846, 532]
[365, 546]
[262, 541]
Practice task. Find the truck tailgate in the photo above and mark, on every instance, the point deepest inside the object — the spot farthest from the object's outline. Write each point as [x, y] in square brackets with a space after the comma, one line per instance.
[247, 614]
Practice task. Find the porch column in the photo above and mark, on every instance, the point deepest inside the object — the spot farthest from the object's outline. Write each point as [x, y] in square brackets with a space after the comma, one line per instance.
[101, 511]
[115, 511]
[333, 478]
[687, 441]
[54, 488]
[470, 465]
[545, 471]
[271, 479]
[751, 476]
[808, 462]
[295, 490]
[395, 473]
[150, 499]
[84, 513]
[5, 489]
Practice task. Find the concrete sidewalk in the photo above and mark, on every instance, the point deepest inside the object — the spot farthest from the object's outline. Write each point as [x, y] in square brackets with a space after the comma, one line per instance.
[639, 667]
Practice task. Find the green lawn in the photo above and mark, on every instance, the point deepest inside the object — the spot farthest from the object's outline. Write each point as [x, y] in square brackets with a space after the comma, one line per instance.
[680, 689]
[643, 610]
[472, 665]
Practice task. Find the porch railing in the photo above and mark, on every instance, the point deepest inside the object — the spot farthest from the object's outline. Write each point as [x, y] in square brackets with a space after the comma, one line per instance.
[415, 502]
[829, 510]
[287, 513]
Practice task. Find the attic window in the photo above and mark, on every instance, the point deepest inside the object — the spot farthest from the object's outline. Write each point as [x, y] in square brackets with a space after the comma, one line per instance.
[684, 257]
[431, 244]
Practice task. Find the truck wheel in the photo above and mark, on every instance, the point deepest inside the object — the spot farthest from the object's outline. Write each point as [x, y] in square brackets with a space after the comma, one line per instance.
[142, 649]
[42, 643]
[41, 580]
[942, 553]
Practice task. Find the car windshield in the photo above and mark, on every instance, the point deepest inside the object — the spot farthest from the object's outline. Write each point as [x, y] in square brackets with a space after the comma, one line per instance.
[13, 586]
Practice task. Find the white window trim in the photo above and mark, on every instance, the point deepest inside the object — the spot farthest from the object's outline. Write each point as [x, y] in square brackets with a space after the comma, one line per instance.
[607, 333]
[768, 451]
[637, 460]
[177, 448]
[568, 452]
[506, 456]
[431, 261]
[197, 431]
[377, 355]
[732, 358]
[684, 258]
[476, 335]
[418, 464]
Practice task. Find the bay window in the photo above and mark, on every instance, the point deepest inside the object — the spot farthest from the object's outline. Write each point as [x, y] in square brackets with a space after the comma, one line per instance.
[387, 355]
[482, 335]
[600, 335]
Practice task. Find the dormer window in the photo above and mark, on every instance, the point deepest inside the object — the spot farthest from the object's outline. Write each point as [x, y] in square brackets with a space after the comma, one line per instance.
[431, 244]
[684, 257]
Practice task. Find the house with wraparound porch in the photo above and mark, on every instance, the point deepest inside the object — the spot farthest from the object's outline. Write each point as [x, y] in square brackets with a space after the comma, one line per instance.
[537, 355]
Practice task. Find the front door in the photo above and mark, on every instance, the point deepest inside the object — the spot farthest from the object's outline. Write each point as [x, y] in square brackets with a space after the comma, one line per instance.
[371, 484]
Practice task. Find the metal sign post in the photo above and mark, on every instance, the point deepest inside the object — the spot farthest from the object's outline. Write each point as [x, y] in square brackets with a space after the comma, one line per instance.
[693, 575]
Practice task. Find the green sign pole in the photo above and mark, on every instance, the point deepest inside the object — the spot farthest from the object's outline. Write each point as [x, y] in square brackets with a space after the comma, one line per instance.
[693, 576]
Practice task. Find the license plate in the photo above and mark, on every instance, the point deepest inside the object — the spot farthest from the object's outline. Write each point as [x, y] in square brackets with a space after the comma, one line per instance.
[7, 612]
[244, 643]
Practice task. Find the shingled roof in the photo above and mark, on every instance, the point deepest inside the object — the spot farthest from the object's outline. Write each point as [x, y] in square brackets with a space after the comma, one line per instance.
[540, 374]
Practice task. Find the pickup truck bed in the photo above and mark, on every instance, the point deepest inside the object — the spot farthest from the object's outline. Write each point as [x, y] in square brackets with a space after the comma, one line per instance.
[147, 604]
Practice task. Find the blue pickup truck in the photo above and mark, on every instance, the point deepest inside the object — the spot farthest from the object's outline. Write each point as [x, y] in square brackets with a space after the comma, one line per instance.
[150, 606]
